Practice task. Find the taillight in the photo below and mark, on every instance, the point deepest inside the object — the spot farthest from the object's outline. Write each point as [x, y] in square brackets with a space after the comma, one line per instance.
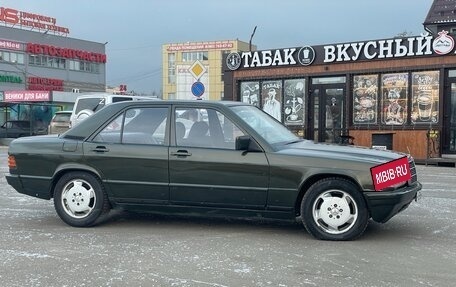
[12, 162]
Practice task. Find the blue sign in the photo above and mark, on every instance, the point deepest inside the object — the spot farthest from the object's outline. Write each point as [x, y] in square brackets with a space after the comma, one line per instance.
[198, 89]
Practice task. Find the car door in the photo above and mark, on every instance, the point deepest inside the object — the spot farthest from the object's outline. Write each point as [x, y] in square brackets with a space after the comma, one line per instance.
[206, 170]
[131, 154]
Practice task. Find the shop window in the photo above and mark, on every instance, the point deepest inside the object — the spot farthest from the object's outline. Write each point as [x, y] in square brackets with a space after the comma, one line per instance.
[394, 91]
[425, 97]
[294, 102]
[365, 99]
[271, 98]
[250, 93]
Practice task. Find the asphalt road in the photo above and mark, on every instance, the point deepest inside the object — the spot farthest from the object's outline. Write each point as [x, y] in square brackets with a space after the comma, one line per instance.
[415, 248]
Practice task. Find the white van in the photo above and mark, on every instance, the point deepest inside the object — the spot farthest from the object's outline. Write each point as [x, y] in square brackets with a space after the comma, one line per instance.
[86, 105]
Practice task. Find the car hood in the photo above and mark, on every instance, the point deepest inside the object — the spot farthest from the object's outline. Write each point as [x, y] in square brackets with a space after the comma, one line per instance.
[342, 152]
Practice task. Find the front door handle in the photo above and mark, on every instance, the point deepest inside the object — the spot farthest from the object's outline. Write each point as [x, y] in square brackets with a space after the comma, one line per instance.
[181, 153]
[100, 149]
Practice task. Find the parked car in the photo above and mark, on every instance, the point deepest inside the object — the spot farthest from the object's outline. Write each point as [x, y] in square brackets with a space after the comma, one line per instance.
[60, 122]
[17, 129]
[86, 105]
[235, 161]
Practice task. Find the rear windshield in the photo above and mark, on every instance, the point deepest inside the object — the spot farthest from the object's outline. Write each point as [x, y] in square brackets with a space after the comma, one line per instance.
[62, 118]
[93, 104]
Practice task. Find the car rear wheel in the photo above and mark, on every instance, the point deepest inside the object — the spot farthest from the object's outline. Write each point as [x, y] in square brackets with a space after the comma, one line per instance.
[80, 199]
[334, 209]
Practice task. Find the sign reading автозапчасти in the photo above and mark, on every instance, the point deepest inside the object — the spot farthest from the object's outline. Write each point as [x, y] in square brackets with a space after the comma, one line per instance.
[390, 173]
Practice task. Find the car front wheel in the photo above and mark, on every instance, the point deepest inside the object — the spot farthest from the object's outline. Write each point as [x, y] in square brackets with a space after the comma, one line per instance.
[334, 209]
[80, 199]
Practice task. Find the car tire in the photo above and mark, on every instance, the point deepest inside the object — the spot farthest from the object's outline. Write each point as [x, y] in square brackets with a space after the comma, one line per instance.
[80, 199]
[334, 209]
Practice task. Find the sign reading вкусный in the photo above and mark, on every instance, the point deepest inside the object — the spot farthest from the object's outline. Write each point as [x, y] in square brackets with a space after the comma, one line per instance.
[424, 45]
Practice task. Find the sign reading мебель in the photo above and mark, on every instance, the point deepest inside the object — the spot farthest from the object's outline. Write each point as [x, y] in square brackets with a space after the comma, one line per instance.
[391, 173]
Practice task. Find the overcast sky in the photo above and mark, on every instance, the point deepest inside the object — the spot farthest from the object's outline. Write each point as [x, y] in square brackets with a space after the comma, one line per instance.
[135, 30]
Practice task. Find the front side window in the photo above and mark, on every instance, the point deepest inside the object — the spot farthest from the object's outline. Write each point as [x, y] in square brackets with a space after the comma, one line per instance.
[207, 128]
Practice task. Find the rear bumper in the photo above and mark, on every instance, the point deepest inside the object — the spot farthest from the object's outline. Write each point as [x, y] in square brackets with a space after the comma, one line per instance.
[37, 186]
[384, 205]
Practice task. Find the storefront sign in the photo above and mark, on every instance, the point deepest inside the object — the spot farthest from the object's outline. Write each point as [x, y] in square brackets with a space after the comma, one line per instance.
[392, 48]
[10, 79]
[391, 173]
[26, 96]
[44, 84]
[30, 20]
[200, 46]
[269, 58]
[65, 53]
[423, 45]
[10, 45]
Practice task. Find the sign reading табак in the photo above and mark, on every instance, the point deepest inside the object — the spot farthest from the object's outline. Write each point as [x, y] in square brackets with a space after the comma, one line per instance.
[390, 173]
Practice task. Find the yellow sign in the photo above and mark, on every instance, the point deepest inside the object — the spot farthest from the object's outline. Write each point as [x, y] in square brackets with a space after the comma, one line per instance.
[197, 70]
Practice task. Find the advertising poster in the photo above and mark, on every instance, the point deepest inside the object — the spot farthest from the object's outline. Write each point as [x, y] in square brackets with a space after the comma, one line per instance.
[294, 101]
[271, 94]
[394, 98]
[250, 93]
[365, 99]
[425, 97]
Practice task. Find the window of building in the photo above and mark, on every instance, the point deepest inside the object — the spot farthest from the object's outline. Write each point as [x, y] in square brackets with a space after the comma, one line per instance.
[193, 56]
[12, 57]
[46, 61]
[171, 68]
[84, 66]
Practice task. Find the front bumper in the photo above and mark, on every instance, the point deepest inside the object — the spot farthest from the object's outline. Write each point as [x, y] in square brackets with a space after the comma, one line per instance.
[383, 205]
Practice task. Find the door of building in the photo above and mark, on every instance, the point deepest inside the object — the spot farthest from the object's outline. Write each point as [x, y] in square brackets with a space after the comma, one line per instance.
[449, 119]
[327, 113]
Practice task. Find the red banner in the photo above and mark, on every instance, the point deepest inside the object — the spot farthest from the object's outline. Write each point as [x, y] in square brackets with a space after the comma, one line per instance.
[390, 173]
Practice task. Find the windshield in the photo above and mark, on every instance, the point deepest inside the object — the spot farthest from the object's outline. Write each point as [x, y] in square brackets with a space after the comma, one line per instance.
[268, 128]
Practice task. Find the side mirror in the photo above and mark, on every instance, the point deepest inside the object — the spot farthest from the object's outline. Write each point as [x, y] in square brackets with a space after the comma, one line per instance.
[242, 142]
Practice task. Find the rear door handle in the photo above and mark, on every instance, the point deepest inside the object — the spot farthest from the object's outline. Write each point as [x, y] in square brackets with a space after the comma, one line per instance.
[180, 153]
[100, 149]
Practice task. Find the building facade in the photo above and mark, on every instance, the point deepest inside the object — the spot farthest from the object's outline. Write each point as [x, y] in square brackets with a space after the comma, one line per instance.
[193, 70]
[397, 93]
[42, 69]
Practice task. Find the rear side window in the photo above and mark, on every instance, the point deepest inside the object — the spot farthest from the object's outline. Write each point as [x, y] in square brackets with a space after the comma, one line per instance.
[136, 126]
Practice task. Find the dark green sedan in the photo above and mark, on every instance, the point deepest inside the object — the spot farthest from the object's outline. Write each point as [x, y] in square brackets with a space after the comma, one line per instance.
[206, 158]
